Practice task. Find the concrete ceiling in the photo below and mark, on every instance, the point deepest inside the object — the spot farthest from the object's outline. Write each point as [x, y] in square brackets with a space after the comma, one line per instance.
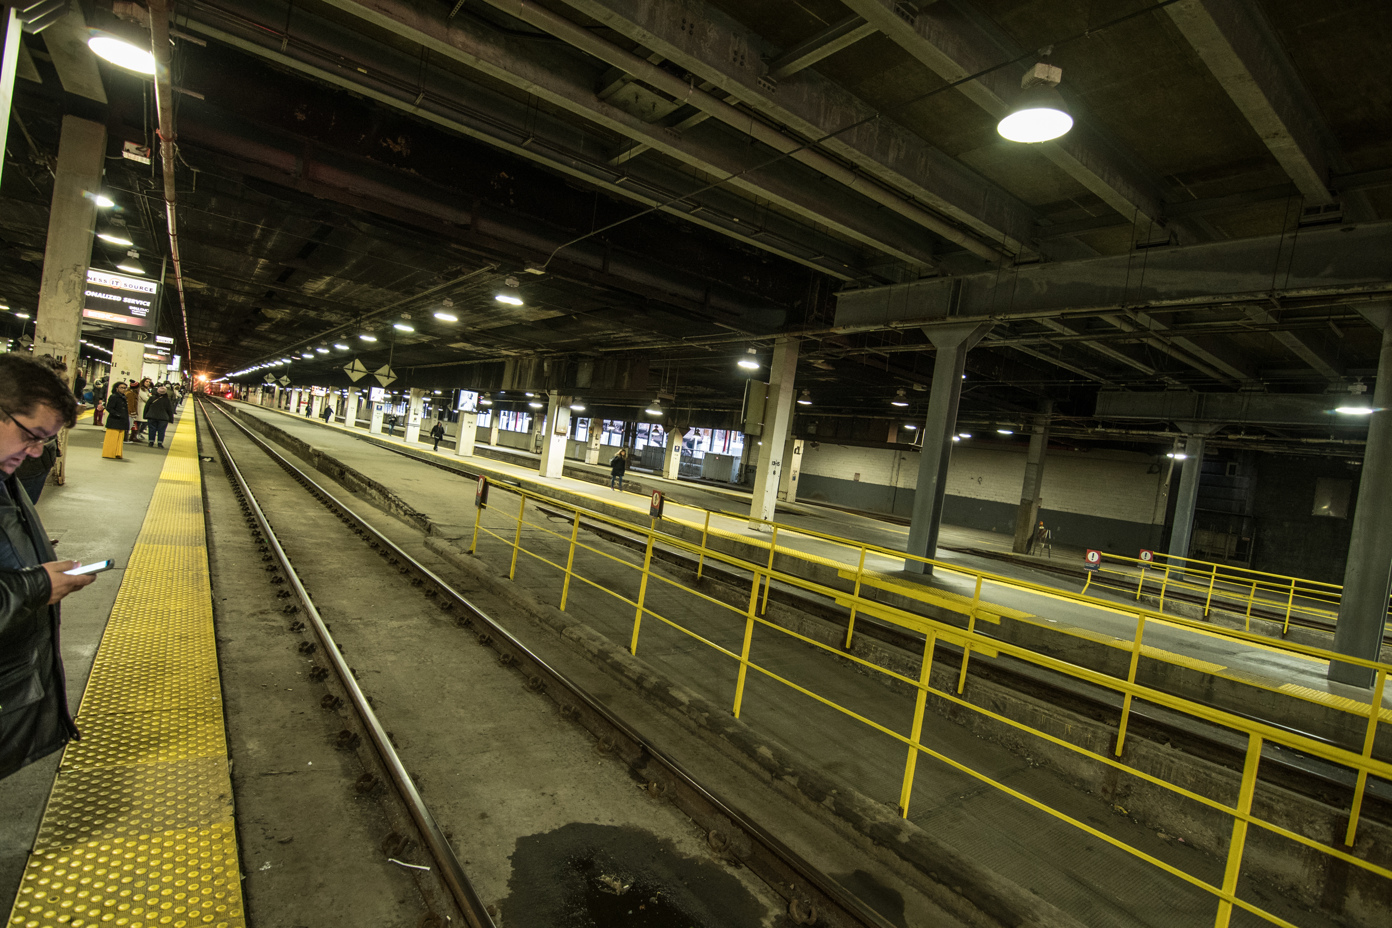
[699, 176]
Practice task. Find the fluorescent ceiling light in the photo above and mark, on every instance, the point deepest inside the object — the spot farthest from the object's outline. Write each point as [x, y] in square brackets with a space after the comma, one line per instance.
[402, 326]
[340, 346]
[22, 315]
[577, 406]
[307, 356]
[750, 361]
[368, 338]
[114, 238]
[1355, 410]
[131, 266]
[910, 426]
[535, 405]
[508, 298]
[964, 434]
[1005, 431]
[446, 317]
[122, 54]
[322, 350]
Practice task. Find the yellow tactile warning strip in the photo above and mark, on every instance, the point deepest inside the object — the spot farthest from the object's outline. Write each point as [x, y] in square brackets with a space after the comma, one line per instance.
[138, 832]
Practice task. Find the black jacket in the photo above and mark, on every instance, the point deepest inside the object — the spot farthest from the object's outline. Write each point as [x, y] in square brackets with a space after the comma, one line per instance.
[159, 407]
[438, 431]
[618, 465]
[117, 412]
[34, 717]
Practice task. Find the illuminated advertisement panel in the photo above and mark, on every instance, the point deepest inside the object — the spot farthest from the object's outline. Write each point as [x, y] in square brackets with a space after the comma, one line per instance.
[120, 300]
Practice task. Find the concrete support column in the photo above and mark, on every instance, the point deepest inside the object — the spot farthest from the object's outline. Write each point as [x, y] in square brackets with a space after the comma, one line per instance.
[126, 360]
[493, 429]
[468, 434]
[592, 443]
[792, 469]
[11, 30]
[379, 412]
[316, 408]
[415, 410]
[1368, 572]
[778, 421]
[557, 429]
[538, 431]
[1031, 491]
[747, 449]
[952, 343]
[671, 455]
[350, 411]
[1190, 474]
[72, 220]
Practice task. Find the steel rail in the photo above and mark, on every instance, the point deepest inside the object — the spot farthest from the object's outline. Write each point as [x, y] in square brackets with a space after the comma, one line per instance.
[835, 900]
[451, 872]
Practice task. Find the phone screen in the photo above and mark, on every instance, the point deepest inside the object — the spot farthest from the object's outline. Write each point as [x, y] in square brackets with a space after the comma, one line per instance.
[93, 568]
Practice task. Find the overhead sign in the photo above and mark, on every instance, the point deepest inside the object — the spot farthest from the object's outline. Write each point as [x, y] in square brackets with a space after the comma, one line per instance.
[120, 300]
[163, 340]
[468, 401]
[285, 381]
[355, 370]
[385, 375]
[269, 378]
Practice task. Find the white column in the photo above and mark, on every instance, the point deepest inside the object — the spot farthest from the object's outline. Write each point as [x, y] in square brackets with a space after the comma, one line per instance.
[126, 360]
[792, 469]
[414, 412]
[592, 446]
[378, 413]
[671, 455]
[493, 428]
[778, 420]
[557, 428]
[351, 410]
[316, 408]
[468, 434]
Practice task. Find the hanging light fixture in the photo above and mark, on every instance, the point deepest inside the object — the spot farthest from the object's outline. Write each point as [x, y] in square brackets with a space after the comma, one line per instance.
[899, 398]
[655, 409]
[113, 236]
[577, 406]
[806, 398]
[122, 53]
[508, 293]
[130, 265]
[340, 346]
[1039, 113]
[367, 337]
[404, 323]
[102, 200]
[750, 360]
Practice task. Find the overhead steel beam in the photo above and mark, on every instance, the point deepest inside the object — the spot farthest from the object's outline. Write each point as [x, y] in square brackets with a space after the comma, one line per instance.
[1297, 345]
[891, 165]
[66, 41]
[1234, 41]
[1065, 365]
[1205, 354]
[1322, 263]
[1278, 410]
[955, 48]
[1106, 350]
[824, 44]
[343, 59]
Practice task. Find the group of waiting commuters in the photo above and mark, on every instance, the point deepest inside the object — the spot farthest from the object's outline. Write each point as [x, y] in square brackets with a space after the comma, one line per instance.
[127, 420]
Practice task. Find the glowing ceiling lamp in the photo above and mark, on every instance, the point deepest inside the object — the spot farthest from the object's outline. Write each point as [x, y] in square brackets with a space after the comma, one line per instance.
[113, 237]
[805, 399]
[122, 53]
[1039, 113]
[900, 399]
[655, 409]
[750, 360]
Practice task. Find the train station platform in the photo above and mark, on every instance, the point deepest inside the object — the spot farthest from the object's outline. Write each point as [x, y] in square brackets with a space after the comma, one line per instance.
[132, 824]
[1269, 680]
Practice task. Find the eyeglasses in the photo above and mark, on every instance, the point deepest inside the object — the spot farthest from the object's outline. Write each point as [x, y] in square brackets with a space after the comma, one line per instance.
[30, 438]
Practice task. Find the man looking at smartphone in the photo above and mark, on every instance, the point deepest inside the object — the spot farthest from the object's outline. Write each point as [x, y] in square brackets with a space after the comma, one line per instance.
[35, 404]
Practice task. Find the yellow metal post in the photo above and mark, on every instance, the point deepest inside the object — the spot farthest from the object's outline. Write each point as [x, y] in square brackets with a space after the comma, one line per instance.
[701, 564]
[1212, 581]
[642, 593]
[971, 628]
[1239, 828]
[1164, 582]
[1141, 584]
[748, 640]
[768, 580]
[916, 733]
[1290, 604]
[1130, 679]
[855, 597]
[570, 559]
[517, 539]
[1251, 599]
[478, 515]
[1374, 709]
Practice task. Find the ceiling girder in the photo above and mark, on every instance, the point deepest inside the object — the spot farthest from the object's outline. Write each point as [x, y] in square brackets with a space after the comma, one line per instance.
[894, 167]
[955, 48]
[66, 41]
[824, 44]
[1297, 345]
[1236, 44]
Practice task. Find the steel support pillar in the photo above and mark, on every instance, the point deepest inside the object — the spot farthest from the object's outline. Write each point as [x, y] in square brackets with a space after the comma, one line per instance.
[1368, 571]
[1189, 476]
[556, 431]
[1031, 492]
[778, 422]
[952, 343]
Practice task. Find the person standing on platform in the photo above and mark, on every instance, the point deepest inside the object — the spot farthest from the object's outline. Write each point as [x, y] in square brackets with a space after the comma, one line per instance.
[1043, 542]
[117, 423]
[159, 412]
[133, 409]
[437, 433]
[35, 404]
[617, 466]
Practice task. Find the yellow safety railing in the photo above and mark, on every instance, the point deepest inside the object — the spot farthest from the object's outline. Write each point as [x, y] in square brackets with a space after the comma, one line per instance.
[761, 573]
[1276, 597]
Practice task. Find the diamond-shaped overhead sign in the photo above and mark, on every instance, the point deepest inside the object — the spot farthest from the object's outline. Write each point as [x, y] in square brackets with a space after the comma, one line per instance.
[285, 381]
[385, 375]
[269, 378]
[355, 370]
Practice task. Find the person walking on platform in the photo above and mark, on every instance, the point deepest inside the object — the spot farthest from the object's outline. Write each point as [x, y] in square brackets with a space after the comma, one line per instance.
[117, 423]
[35, 405]
[437, 433]
[159, 412]
[327, 415]
[617, 466]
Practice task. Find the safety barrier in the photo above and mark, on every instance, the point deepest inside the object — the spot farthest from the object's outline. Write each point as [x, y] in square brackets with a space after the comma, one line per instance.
[761, 574]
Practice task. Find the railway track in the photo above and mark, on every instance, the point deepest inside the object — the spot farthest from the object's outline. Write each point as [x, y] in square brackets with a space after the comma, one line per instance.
[788, 889]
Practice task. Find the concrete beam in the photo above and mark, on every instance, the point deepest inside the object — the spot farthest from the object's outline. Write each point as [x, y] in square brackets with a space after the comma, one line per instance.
[954, 47]
[1236, 44]
[1102, 348]
[1278, 410]
[824, 44]
[714, 47]
[1320, 263]
[66, 41]
[1297, 345]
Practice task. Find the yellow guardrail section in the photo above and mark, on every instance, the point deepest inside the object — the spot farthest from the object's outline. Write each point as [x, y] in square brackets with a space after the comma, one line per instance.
[763, 573]
[1276, 596]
